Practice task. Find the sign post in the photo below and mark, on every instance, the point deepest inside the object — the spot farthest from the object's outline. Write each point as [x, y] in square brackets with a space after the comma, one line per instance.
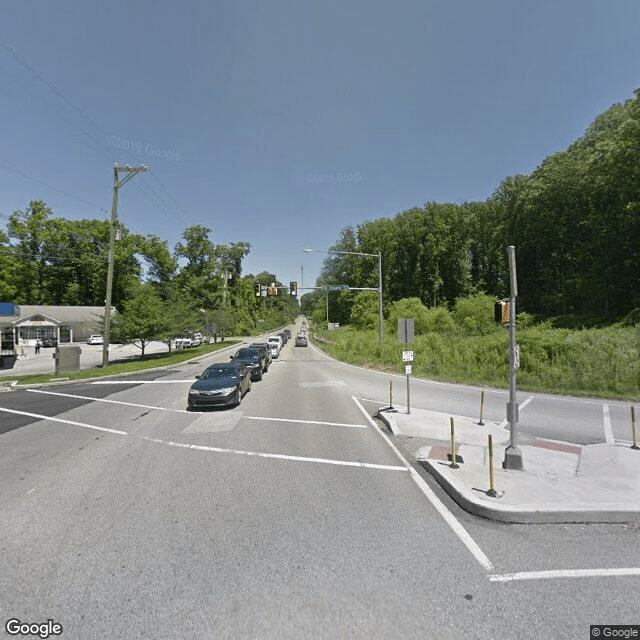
[405, 336]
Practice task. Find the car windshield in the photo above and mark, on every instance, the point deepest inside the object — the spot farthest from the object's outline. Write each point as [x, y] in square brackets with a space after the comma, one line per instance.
[248, 354]
[219, 372]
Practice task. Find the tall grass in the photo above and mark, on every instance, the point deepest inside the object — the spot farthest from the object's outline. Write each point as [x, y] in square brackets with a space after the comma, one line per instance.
[599, 362]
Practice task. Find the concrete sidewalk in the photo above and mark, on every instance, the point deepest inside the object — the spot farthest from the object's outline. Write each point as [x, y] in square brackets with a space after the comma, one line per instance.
[561, 482]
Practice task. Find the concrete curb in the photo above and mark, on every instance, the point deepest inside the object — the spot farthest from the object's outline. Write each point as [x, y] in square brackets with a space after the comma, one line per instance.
[526, 513]
[13, 384]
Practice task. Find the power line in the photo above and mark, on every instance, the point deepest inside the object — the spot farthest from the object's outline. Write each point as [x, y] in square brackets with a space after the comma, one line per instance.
[50, 186]
[51, 87]
[83, 114]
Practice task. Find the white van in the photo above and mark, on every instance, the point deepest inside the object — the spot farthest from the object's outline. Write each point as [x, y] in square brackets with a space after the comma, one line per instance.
[277, 340]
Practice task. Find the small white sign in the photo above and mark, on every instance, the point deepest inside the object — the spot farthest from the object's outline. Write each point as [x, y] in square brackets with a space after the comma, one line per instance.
[407, 369]
[407, 356]
[516, 356]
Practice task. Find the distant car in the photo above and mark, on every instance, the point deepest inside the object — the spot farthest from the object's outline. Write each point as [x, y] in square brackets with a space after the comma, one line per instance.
[197, 339]
[183, 343]
[223, 383]
[49, 342]
[265, 350]
[95, 339]
[275, 350]
[252, 358]
[288, 332]
[301, 341]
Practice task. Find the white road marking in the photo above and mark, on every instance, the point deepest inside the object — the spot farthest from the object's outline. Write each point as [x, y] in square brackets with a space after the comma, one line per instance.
[277, 456]
[327, 424]
[190, 380]
[128, 404]
[147, 406]
[565, 573]
[72, 422]
[449, 518]
[525, 403]
[321, 384]
[608, 432]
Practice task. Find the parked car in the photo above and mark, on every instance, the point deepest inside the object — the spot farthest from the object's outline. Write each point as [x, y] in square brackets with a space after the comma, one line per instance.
[301, 340]
[266, 351]
[277, 340]
[95, 339]
[182, 343]
[223, 383]
[49, 342]
[288, 332]
[252, 358]
[275, 350]
[284, 337]
[197, 339]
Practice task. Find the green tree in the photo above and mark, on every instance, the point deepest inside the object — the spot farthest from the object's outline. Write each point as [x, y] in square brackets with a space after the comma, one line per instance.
[142, 319]
[365, 310]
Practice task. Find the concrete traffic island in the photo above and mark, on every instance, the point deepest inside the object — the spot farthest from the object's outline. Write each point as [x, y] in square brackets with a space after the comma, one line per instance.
[560, 482]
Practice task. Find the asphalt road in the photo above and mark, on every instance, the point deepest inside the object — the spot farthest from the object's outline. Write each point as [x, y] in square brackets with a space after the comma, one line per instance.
[290, 516]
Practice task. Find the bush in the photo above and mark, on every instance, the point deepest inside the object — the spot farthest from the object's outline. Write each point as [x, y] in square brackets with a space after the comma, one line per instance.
[475, 313]
[436, 319]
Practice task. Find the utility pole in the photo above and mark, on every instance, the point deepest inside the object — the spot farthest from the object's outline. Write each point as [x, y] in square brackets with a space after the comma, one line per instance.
[130, 171]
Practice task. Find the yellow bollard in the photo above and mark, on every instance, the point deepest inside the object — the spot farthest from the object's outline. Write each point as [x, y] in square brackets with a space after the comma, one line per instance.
[633, 428]
[492, 490]
[481, 421]
[454, 464]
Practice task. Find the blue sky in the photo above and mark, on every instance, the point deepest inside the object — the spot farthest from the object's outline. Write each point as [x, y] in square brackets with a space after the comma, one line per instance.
[279, 123]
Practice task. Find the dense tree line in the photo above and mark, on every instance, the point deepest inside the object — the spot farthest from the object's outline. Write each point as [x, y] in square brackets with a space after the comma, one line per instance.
[53, 261]
[575, 223]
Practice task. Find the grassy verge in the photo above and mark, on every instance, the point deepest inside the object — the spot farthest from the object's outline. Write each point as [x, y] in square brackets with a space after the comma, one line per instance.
[117, 367]
[591, 362]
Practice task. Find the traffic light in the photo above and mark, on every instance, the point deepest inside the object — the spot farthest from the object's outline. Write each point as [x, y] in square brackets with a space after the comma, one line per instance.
[293, 288]
[501, 312]
[258, 288]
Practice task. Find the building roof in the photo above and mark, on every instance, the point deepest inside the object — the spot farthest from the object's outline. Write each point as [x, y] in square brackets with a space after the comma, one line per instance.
[62, 313]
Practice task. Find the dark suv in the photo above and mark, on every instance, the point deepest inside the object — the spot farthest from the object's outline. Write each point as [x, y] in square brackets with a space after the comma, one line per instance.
[265, 350]
[252, 358]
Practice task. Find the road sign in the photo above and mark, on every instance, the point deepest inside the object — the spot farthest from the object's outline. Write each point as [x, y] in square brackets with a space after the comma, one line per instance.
[407, 356]
[336, 287]
[516, 356]
[405, 330]
[407, 369]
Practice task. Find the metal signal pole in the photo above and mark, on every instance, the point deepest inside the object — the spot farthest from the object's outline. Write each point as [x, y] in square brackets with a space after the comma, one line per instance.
[512, 455]
[130, 171]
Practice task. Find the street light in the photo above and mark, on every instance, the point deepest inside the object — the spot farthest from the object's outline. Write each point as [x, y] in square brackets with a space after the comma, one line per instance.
[361, 254]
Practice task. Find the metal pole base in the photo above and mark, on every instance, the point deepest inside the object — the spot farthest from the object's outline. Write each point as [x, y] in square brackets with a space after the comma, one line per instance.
[512, 459]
